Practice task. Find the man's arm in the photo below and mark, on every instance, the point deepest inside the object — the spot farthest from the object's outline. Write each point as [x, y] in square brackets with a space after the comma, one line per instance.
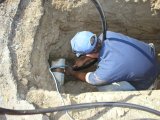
[80, 62]
[89, 77]
[79, 75]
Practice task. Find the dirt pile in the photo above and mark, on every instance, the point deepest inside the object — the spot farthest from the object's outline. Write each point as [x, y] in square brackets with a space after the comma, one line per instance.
[156, 4]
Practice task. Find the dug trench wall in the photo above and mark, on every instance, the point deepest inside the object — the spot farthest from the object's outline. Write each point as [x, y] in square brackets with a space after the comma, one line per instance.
[34, 32]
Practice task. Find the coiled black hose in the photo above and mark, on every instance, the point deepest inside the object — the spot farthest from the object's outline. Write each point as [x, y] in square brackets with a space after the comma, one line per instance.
[78, 106]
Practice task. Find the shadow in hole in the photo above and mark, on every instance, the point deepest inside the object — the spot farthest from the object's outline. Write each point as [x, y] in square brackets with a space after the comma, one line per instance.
[1, 1]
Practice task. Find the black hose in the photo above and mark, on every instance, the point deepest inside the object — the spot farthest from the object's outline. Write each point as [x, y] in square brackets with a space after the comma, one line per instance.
[104, 29]
[78, 106]
[103, 19]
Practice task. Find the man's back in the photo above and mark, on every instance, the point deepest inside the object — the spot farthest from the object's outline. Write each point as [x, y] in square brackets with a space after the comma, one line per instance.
[125, 59]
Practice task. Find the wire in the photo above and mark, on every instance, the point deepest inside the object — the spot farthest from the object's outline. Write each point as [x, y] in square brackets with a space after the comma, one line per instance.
[79, 106]
[57, 88]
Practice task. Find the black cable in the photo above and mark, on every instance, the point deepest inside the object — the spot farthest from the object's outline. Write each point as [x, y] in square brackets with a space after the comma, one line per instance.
[104, 29]
[103, 19]
[78, 106]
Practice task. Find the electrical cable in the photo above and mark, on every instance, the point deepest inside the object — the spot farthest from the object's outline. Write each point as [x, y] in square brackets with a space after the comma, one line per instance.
[57, 88]
[104, 29]
[79, 106]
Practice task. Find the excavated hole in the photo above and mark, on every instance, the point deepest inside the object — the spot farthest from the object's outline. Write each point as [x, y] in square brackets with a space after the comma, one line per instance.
[56, 30]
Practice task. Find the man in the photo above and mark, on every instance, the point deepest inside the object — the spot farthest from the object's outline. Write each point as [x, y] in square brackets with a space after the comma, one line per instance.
[122, 61]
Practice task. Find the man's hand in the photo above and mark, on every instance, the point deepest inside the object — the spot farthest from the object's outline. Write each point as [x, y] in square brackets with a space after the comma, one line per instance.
[76, 74]
[81, 61]
[69, 71]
